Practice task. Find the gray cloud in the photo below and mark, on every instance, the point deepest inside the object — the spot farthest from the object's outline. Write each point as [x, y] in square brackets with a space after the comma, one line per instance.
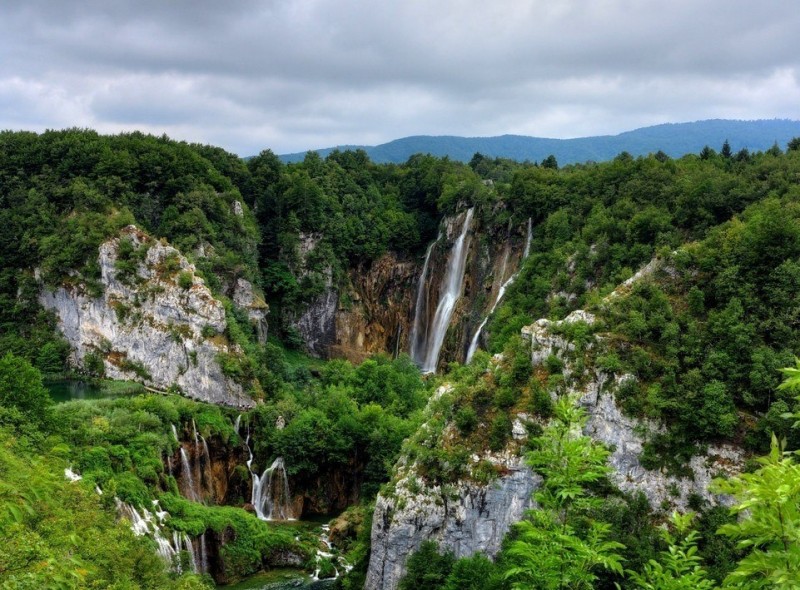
[296, 74]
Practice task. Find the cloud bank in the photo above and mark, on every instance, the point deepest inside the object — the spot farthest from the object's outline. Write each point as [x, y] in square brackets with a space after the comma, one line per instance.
[297, 74]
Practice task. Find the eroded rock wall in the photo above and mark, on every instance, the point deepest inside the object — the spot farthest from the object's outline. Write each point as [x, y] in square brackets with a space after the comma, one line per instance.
[465, 518]
[148, 327]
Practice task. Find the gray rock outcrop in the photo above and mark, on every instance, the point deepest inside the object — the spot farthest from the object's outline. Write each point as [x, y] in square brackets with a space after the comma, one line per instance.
[245, 297]
[625, 435]
[465, 518]
[157, 323]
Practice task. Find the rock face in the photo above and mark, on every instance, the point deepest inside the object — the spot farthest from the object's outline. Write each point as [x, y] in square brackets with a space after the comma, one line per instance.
[466, 518]
[625, 435]
[156, 322]
[608, 424]
[377, 316]
[245, 297]
[373, 312]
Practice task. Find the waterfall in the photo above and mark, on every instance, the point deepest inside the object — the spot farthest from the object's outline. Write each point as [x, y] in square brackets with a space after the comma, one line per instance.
[71, 475]
[145, 524]
[176, 547]
[238, 423]
[527, 250]
[203, 554]
[473, 345]
[449, 293]
[189, 548]
[187, 475]
[206, 454]
[327, 553]
[270, 497]
[194, 430]
[175, 433]
[419, 329]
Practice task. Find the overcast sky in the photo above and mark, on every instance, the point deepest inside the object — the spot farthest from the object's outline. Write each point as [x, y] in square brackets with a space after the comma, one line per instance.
[290, 75]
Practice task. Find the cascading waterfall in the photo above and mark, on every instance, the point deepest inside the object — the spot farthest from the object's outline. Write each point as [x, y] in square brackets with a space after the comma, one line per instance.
[336, 561]
[150, 523]
[206, 454]
[473, 345]
[270, 497]
[419, 329]
[203, 554]
[238, 423]
[187, 475]
[427, 356]
[189, 548]
[175, 432]
[527, 249]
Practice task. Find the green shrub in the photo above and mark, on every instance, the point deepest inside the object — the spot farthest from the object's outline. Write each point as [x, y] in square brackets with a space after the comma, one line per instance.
[499, 432]
[185, 279]
[466, 420]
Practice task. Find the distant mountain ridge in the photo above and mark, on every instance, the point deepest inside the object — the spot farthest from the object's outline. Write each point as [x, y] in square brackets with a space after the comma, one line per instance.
[675, 139]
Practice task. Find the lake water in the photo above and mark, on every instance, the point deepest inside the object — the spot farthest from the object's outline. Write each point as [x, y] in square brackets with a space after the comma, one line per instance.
[68, 390]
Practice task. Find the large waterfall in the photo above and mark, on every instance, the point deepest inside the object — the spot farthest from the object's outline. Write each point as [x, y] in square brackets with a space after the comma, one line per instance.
[419, 329]
[473, 345]
[426, 341]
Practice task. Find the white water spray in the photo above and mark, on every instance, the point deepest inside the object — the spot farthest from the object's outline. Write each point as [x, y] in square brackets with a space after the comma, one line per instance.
[449, 293]
[271, 498]
[187, 475]
[473, 345]
[419, 329]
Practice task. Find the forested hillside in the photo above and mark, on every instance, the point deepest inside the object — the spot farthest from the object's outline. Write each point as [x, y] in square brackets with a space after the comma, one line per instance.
[666, 288]
[674, 139]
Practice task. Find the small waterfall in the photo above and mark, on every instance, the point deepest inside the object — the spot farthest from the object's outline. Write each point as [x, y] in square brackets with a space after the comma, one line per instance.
[176, 547]
[175, 433]
[473, 345]
[527, 249]
[169, 463]
[206, 454]
[203, 554]
[449, 293]
[238, 423]
[187, 475]
[419, 329]
[194, 430]
[270, 497]
[337, 562]
[71, 475]
[189, 548]
[146, 524]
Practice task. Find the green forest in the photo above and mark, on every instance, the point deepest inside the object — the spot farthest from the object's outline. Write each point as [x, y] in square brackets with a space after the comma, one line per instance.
[704, 345]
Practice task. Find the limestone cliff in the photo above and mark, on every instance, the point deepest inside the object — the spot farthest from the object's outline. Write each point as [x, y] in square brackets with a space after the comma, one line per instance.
[625, 435]
[468, 517]
[464, 518]
[376, 317]
[373, 310]
[155, 322]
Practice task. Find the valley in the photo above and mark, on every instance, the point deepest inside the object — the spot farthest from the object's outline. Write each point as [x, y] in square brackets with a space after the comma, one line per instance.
[219, 372]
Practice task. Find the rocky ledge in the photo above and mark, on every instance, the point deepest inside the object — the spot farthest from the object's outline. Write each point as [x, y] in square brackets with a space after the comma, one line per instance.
[155, 322]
